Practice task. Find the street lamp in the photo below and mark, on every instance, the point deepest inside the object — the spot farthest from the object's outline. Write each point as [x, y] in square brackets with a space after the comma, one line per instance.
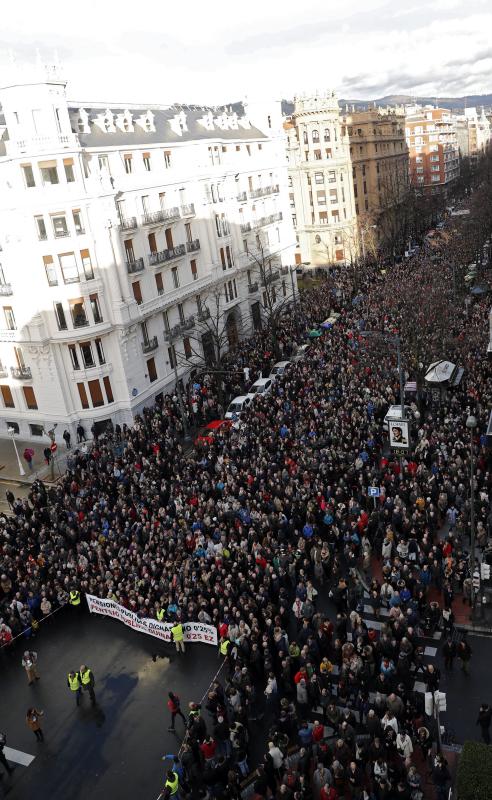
[471, 424]
[11, 433]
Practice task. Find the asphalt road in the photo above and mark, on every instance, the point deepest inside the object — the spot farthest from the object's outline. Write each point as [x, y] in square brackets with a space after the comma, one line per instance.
[112, 750]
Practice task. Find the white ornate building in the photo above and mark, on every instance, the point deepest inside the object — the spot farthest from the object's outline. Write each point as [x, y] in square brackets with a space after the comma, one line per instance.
[320, 182]
[117, 225]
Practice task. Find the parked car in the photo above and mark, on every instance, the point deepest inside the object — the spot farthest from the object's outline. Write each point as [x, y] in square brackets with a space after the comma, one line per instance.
[261, 386]
[279, 368]
[237, 406]
[210, 431]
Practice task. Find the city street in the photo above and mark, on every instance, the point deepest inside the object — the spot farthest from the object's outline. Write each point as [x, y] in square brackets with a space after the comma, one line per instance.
[114, 749]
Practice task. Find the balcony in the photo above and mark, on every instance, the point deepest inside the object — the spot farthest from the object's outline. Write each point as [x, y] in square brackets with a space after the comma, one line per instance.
[193, 246]
[264, 191]
[80, 322]
[269, 220]
[180, 329]
[150, 344]
[37, 144]
[270, 277]
[21, 373]
[166, 255]
[242, 197]
[3, 372]
[246, 227]
[161, 216]
[128, 224]
[188, 210]
[137, 265]
[61, 234]
[253, 287]
[5, 289]
[203, 315]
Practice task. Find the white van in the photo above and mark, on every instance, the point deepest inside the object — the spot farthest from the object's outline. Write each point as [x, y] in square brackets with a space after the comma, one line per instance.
[279, 368]
[237, 406]
[261, 386]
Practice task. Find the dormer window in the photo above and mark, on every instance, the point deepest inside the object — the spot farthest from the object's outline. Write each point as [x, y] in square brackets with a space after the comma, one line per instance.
[107, 125]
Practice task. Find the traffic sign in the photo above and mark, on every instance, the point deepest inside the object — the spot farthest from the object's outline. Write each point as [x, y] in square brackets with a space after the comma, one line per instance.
[373, 491]
[54, 447]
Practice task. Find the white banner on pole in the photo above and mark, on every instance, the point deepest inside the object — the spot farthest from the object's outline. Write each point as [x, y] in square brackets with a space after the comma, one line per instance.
[193, 631]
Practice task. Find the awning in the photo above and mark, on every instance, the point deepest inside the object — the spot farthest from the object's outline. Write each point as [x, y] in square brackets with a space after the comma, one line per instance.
[443, 372]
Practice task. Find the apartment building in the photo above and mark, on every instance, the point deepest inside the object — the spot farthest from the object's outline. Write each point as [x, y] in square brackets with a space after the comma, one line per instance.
[121, 229]
[321, 192]
[433, 148]
[473, 131]
[379, 157]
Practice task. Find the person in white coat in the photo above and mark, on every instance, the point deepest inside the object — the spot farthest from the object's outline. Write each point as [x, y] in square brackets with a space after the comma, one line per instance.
[405, 747]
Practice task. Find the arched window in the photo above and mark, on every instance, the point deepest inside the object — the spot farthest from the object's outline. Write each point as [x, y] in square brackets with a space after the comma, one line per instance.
[315, 135]
[327, 135]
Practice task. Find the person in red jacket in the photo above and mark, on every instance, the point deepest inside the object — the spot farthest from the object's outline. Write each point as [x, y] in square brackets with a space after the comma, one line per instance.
[173, 705]
[318, 731]
[208, 748]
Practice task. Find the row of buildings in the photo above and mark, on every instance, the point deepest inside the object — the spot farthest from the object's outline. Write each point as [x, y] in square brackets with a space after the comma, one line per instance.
[135, 241]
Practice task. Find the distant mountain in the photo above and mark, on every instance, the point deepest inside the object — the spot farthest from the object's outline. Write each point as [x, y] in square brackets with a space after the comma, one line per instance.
[453, 103]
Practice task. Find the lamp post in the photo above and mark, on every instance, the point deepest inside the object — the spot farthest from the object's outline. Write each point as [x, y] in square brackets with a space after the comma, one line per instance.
[11, 433]
[471, 424]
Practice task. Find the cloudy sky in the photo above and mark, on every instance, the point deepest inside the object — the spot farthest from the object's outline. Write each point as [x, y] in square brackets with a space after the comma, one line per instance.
[219, 51]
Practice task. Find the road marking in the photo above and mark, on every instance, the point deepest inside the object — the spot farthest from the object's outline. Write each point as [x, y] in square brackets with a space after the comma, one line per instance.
[18, 757]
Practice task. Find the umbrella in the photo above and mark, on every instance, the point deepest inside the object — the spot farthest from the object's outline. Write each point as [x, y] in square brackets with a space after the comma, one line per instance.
[480, 288]
[314, 334]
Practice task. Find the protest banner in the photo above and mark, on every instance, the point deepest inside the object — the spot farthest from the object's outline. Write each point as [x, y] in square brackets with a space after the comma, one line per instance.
[193, 631]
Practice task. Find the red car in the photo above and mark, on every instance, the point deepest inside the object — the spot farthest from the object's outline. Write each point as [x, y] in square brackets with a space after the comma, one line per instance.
[208, 433]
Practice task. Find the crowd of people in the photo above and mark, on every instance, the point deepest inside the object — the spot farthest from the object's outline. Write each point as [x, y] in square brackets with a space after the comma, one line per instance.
[248, 532]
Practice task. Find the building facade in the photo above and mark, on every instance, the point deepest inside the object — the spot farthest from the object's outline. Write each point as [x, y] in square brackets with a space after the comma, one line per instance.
[379, 156]
[473, 131]
[123, 230]
[433, 148]
[321, 192]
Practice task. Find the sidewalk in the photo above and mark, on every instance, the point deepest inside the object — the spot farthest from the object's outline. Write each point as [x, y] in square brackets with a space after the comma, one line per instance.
[9, 466]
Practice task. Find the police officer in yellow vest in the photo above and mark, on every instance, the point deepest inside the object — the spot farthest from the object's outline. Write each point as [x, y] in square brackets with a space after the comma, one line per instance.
[224, 646]
[73, 683]
[177, 634]
[160, 613]
[74, 598]
[87, 681]
[172, 784]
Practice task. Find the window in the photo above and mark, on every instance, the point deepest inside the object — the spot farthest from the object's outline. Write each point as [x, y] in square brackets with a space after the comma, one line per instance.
[77, 222]
[30, 397]
[49, 175]
[96, 310]
[321, 197]
[189, 233]
[365, 187]
[327, 136]
[175, 277]
[60, 228]
[36, 430]
[333, 196]
[332, 176]
[435, 178]
[194, 270]
[171, 354]
[60, 317]
[74, 358]
[319, 177]
[339, 255]
[146, 161]
[167, 158]
[85, 257]
[328, 153]
[68, 167]
[165, 319]
[181, 313]
[159, 283]
[151, 370]
[315, 136]
[317, 155]
[8, 400]
[100, 352]
[323, 218]
[9, 318]
[187, 348]
[108, 389]
[145, 203]
[41, 226]
[230, 262]
[294, 220]
[222, 258]
[95, 393]
[137, 292]
[127, 160]
[87, 356]
[335, 215]
[28, 176]
[83, 395]
[77, 311]
[69, 268]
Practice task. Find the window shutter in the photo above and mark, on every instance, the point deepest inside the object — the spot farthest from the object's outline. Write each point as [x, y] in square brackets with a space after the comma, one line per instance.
[137, 292]
[30, 397]
[109, 391]
[7, 396]
[96, 393]
[83, 395]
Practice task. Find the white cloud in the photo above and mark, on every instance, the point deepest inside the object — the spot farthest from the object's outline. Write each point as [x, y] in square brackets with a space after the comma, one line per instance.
[217, 52]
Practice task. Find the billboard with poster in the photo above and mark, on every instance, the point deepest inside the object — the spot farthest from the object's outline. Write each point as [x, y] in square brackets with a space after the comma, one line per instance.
[399, 437]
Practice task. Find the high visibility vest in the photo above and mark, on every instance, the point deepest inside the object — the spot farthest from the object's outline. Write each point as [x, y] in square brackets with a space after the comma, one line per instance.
[74, 682]
[173, 784]
[177, 632]
[74, 598]
[224, 647]
[85, 677]
[160, 614]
